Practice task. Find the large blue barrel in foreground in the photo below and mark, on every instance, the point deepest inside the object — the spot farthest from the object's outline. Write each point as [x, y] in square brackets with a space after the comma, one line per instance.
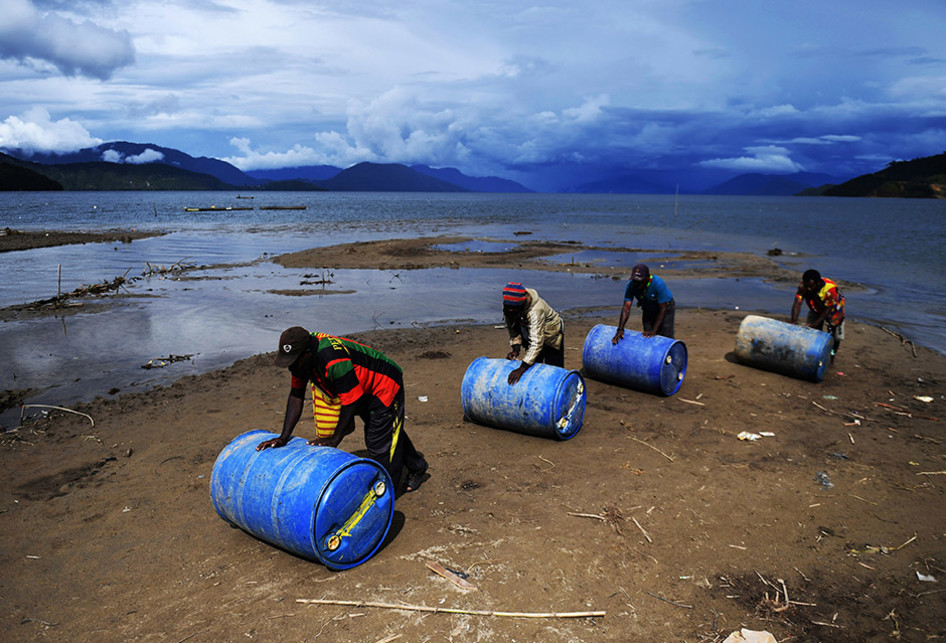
[798, 351]
[320, 503]
[548, 401]
[652, 364]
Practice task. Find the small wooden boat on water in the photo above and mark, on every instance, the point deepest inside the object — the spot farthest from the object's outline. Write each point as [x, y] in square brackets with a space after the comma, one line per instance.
[214, 208]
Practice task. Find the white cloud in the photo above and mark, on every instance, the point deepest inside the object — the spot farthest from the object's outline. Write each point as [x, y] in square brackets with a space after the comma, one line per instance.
[148, 156]
[589, 110]
[86, 49]
[297, 156]
[768, 159]
[34, 131]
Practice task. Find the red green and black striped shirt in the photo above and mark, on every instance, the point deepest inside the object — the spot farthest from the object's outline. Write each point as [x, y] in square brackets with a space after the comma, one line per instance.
[348, 370]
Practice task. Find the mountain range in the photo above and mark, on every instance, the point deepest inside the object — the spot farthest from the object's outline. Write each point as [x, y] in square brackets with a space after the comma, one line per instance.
[121, 165]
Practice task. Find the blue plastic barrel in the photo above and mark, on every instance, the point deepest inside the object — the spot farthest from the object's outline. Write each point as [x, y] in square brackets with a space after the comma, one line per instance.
[320, 503]
[772, 345]
[548, 401]
[652, 364]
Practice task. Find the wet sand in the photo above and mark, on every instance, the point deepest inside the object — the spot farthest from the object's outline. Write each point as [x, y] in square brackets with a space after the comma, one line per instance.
[11, 240]
[654, 513]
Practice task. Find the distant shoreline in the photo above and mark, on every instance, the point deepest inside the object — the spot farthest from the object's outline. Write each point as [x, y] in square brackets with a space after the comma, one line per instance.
[12, 240]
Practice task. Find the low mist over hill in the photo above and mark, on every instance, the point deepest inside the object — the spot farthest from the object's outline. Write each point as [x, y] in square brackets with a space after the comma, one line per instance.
[122, 165]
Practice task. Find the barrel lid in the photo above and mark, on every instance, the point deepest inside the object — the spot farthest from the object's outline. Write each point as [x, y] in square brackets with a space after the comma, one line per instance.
[353, 514]
[673, 368]
[572, 400]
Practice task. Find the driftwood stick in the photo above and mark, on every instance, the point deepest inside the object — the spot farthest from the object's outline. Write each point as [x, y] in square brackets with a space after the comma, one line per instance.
[23, 407]
[572, 513]
[905, 544]
[643, 531]
[447, 610]
[654, 448]
[390, 638]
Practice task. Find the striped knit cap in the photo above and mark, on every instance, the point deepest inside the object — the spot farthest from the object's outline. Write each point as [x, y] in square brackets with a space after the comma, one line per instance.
[514, 294]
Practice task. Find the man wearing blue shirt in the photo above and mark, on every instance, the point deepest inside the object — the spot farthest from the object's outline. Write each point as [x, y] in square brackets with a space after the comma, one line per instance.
[654, 299]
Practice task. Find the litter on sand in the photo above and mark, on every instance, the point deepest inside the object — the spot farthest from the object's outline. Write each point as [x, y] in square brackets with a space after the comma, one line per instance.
[750, 636]
[822, 478]
[749, 437]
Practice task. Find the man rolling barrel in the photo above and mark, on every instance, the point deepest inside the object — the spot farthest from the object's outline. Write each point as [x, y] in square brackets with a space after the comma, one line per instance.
[825, 306]
[348, 379]
[655, 301]
[532, 324]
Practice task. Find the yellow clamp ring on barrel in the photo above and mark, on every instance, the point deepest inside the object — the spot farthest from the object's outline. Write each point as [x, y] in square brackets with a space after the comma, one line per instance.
[334, 541]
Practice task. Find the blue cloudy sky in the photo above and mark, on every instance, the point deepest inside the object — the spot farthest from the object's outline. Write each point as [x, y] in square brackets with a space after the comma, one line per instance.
[545, 92]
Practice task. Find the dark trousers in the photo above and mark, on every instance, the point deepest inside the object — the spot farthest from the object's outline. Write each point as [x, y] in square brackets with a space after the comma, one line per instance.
[387, 441]
[649, 316]
[837, 332]
[553, 356]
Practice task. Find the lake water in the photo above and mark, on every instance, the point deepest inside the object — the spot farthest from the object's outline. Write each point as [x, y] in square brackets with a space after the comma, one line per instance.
[225, 310]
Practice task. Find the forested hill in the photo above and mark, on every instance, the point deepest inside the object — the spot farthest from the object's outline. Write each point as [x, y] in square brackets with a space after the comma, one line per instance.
[922, 178]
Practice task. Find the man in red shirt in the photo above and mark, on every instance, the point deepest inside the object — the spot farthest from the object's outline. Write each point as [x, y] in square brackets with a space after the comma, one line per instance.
[348, 379]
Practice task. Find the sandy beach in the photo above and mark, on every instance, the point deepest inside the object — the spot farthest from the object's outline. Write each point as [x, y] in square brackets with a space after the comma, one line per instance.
[655, 513]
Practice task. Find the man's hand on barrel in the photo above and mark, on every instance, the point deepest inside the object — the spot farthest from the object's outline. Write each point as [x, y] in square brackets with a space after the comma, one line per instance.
[618, 336]
[272, 444]
[516, 374]
[333, 441]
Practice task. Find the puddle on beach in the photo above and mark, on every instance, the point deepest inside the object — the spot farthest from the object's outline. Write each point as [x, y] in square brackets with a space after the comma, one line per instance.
[223, 315]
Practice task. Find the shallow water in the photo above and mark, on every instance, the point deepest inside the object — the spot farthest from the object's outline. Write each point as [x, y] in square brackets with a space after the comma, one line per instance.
[222, 312]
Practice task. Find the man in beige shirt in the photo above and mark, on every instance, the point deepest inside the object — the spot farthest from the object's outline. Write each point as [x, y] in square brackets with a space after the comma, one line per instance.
[532, 324]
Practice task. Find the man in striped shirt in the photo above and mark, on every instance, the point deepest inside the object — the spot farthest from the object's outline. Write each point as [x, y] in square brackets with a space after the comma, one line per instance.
[825, 305]
[532, 324]
[348, 379]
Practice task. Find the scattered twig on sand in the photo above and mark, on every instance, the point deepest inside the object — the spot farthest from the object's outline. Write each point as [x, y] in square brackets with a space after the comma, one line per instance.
[611, 515]
[572, 513]
[683, 399]
[23, 407]
[470, 568]
[823, 624]
[667, 600]
[36, 620]
[903, 340]
[654, 448]
[905, 544]
[448, 610]
[390, 638]
[931, 473]
[822, 408]
[643, 531]
[545, 460]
